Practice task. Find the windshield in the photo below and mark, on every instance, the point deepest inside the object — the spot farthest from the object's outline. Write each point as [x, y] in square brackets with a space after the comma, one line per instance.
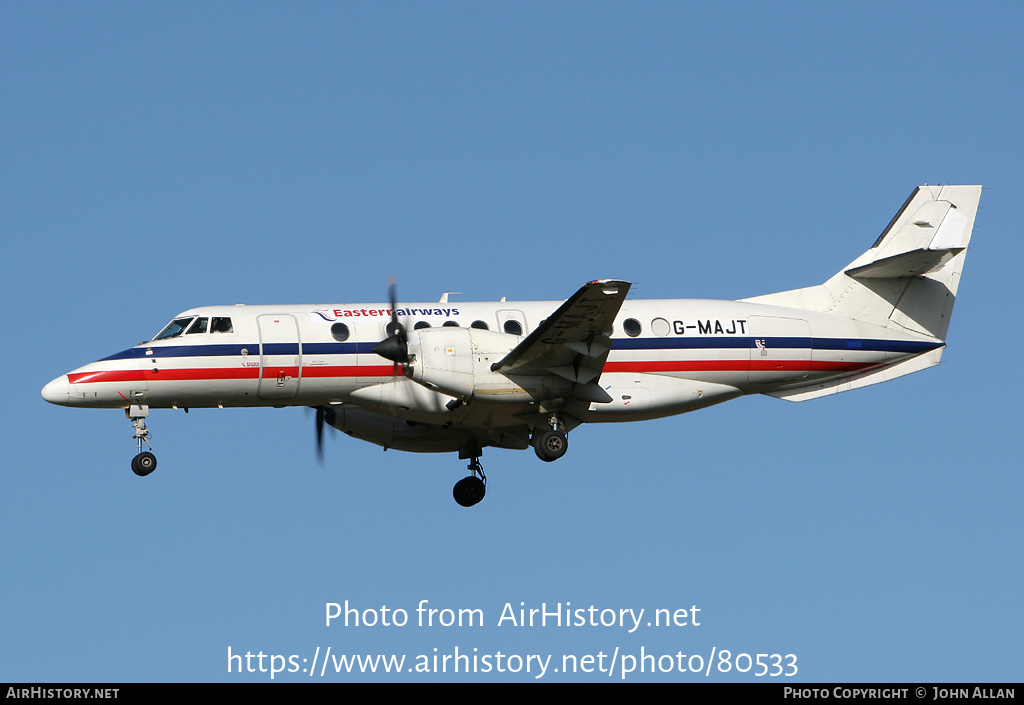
[198, 327]
[174, 328]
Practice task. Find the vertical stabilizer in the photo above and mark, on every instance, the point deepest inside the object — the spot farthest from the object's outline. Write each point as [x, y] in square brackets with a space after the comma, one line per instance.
[909, 278]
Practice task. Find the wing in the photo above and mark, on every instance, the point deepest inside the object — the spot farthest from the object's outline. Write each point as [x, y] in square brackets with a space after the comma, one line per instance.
[573, 342]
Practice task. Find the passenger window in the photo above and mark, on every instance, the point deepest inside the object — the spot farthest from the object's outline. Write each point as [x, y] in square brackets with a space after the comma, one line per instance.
[449, 324]
[221, 325]
[199, 326]
[340, 332]
[479, 325]
[513, 327]
[632, 327]
[421, 325]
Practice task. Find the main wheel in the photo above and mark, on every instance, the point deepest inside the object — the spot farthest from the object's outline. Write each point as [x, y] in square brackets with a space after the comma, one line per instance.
[468, 491]
[143, 464]
[551, 445]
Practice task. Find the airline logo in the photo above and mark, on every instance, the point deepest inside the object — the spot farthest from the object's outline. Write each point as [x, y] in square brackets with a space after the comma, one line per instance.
[334, 314]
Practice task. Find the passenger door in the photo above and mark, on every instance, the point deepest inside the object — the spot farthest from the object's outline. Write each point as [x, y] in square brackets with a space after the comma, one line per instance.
[280, 356]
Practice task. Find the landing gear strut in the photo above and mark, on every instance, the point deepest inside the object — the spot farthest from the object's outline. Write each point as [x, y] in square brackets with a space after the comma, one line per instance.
[551, 444]
[470, 490]
[145, 462]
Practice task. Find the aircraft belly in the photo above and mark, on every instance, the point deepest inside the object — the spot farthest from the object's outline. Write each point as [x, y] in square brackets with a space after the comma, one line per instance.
[646, 396]
[202, 392]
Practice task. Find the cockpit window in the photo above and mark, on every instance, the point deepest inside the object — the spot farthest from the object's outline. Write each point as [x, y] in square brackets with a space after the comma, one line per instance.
[174, 328]
[221, 325]
[198, 327]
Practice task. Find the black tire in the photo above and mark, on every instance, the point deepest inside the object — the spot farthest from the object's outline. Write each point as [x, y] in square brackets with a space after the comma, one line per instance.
[143, 464]
[551, 445]
[469, 491]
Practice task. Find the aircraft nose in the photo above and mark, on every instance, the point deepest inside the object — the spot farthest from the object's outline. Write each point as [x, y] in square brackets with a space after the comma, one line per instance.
[58, 390]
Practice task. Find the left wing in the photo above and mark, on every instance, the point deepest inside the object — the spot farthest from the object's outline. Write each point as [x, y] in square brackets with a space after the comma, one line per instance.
[573, 342]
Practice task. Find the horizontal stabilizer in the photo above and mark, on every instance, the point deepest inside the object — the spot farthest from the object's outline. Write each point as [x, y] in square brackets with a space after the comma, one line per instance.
[936, 234]
[908, 264]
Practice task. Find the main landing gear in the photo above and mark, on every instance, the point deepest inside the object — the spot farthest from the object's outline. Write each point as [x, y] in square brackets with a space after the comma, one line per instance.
[145, 462]
[551, 444]
[470, 490]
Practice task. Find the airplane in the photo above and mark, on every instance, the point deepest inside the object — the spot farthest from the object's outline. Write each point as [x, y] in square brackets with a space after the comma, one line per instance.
[458, 377]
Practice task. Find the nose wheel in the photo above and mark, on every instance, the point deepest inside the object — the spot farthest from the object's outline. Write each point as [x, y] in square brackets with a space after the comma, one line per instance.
[470, 490]
[145, 462]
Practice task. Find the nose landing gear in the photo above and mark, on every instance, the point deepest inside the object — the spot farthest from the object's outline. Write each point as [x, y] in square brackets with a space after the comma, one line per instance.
[145, 462]
[470, 490]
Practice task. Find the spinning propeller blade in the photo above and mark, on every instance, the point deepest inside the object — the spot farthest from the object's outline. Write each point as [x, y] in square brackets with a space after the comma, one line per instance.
[396, 346]
[320, 435]
[322, 419]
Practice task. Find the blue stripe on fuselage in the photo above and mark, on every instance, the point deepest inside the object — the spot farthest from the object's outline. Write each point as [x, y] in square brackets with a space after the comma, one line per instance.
[681, 343]
[871, 345]
[237, 348]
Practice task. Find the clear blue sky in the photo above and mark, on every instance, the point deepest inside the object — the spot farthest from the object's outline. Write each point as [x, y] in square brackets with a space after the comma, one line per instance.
[156, 157]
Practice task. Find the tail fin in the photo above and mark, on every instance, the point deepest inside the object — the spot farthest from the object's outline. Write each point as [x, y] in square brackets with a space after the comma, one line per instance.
[909, 278]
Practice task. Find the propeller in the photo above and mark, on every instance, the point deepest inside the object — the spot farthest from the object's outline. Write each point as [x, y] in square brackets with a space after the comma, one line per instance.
[321, 420]
[395, 347]
[320, 434]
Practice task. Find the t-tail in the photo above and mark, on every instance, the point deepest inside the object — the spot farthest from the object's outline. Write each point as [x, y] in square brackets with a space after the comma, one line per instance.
[906, 282]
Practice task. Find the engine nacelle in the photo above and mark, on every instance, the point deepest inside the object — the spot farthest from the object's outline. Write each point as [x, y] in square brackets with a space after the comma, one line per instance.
[390, 432]
[399, 434]
[457, 361]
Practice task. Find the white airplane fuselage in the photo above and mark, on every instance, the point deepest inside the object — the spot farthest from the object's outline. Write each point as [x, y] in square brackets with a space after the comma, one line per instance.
[688, 354]
[460, 376]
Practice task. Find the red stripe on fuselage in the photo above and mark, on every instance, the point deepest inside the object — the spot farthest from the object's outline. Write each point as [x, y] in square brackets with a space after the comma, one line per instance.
[202, 373]
[329, 371]
[349, 371]
[735, 366]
